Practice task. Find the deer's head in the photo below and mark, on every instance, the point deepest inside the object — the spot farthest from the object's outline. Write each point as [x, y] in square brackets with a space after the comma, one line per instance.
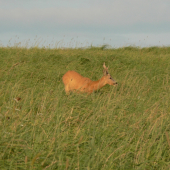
[109, 80]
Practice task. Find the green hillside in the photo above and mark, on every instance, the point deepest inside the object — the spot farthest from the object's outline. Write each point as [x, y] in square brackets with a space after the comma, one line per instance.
[122, 127]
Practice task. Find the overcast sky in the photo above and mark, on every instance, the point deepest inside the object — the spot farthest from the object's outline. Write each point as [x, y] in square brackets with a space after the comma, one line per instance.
[79, 23]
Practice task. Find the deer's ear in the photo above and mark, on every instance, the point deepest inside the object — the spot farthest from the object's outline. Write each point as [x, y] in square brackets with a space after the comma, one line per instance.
[105, 70]
[104, 66]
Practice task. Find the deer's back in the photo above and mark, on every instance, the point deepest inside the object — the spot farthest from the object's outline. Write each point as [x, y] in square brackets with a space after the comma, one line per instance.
[75, 81]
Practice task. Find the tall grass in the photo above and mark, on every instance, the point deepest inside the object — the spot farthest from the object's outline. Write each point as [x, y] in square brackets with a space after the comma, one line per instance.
[122, 127]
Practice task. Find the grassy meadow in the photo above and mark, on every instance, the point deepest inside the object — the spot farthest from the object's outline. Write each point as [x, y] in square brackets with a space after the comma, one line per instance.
[122, 127]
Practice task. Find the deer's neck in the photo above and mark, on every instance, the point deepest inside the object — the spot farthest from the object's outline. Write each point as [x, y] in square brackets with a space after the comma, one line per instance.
[95, 85]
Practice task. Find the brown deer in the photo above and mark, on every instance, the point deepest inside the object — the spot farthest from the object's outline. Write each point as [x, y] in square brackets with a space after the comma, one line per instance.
[73, 81]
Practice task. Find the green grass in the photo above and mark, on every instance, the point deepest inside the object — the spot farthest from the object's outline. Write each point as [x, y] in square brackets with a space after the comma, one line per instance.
[122, 127]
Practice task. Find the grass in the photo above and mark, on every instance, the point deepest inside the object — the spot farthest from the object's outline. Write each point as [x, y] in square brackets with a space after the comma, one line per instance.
[122, 127]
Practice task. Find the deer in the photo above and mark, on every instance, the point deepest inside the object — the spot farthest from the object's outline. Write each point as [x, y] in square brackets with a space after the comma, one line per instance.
[73, 81]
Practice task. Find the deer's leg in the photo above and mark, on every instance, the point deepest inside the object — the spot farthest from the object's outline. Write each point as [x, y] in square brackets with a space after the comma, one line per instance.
[67, 90]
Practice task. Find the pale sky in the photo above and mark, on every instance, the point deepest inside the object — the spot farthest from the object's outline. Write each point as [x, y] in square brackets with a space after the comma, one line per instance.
[81, 23]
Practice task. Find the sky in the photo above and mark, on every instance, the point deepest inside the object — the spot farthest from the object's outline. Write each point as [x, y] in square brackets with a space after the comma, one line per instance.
[82, 23]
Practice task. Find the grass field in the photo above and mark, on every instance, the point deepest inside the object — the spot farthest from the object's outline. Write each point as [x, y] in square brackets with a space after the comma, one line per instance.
[122, 127]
